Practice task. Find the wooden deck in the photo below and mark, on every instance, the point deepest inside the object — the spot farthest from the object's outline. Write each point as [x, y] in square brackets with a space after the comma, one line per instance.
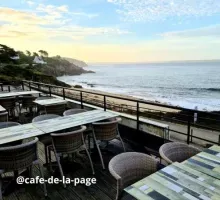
[105, 189]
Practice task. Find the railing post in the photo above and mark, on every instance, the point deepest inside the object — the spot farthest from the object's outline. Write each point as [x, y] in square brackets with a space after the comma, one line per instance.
[188, 130]
[22, 85]
[81, 99]
[218, 140]
[30, 86]
[104, 103]
[9, 88]
[64, 93]
[191, 138]
[2, 86]
[138, 115]
[50, 91]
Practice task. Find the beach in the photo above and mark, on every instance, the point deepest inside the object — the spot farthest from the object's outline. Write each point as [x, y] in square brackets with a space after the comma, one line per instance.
[187, 85]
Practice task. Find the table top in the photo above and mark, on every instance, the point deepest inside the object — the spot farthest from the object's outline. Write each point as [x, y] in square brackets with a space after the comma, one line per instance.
[70, 121]
[176, 182]
[207, 161]
[11, 94]
[20, 132]
[2, 109]
[47, 102]
[48, 126]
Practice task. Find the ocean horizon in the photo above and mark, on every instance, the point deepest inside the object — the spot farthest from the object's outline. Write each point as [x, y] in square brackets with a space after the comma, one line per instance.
[186, 84]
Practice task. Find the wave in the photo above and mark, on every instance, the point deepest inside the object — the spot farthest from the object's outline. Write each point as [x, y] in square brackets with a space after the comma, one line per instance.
[213, 89]
[150, 87]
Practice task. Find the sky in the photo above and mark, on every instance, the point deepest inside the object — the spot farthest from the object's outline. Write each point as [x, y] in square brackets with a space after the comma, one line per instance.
[114, 30]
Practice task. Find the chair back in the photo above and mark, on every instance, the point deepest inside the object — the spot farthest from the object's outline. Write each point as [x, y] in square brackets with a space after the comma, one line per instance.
[27, 101]
[68, 142]
[18, 157]
[8, 124]
[106, 130]
[177, 152]
[55, 109]
[73, 111]
[4, 117]
[8, 103]
[130, 167]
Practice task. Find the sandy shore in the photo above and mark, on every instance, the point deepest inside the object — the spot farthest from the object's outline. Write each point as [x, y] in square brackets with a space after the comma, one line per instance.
[114, 103]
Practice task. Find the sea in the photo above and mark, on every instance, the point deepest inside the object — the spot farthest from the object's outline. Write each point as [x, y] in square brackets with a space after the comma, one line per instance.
[185, 84]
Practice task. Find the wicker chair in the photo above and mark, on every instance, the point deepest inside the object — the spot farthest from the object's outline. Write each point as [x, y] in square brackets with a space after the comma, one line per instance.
[15, 158]
[129, 167]
[27, 102]
[106, 131]
[177, 152]
[55, 109]
[8, 124]
[73, 111]
[4, 117]
[68, 143]
[9, 104]
[45, 139]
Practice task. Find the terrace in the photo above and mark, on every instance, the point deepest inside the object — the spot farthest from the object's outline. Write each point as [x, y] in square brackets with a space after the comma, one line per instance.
[145, 126]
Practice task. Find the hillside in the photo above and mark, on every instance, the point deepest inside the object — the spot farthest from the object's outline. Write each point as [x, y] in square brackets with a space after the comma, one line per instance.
[18, 65]
[57, 66]
[76, 62]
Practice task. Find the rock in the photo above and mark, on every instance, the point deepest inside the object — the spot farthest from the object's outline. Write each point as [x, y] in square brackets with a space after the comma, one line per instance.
[78, 86]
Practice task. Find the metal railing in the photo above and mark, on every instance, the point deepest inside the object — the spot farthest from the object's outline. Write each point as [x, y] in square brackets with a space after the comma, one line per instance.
[163, 113]
[182, 117]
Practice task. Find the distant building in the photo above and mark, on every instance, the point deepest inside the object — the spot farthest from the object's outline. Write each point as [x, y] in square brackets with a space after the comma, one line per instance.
[39, 60]
[15, 57]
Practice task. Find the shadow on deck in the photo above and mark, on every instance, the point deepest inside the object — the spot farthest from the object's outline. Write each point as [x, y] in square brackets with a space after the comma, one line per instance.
[104, 189]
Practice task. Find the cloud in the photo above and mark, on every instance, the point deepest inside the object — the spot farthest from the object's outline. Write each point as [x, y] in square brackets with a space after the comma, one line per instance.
[16, 16]
[22, 24]
[59, 11]
[30, 3]
[210, 31]
[52, 10]
[160, 10]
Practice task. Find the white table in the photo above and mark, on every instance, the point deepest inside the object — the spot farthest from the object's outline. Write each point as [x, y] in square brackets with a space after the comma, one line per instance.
[16, 133]
[21, 132]
[49, 102]
[70, 121]
[2, 109]
[11, 94]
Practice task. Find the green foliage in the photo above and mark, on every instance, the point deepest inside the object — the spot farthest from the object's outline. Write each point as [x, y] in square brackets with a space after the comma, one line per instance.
[43, 53]
[6, 53]
[23, 68]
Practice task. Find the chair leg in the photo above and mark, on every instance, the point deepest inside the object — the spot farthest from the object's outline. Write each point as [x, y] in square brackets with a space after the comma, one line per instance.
[42, 175]
[122, 143]
[0, 187]
[90, 160]
[60, 168]
[100, 155]
[30, 171]
[46, 154]
[89, 144]
[50, 160]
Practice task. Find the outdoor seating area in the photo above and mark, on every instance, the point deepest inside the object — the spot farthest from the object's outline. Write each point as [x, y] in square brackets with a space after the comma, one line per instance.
[42, 136]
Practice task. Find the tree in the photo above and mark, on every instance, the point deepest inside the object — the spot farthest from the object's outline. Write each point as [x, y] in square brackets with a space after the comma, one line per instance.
[35, 54]
[28, 53]
[43, 53]
[6, 54]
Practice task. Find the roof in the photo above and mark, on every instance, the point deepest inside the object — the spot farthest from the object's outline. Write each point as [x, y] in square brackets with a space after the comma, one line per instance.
[39, 60]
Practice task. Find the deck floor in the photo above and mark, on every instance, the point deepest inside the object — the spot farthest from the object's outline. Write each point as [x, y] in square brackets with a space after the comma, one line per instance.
[104, 189]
